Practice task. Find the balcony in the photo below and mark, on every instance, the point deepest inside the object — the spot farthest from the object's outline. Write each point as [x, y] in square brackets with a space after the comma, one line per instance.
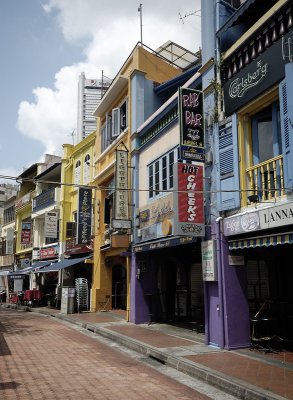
[266, 180]
[46, 199]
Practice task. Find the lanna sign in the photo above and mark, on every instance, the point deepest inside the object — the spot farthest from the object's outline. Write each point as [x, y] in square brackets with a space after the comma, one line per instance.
[191, 124]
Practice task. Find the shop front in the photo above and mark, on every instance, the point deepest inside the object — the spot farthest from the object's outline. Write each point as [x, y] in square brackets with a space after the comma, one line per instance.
[261, 241]
[169, 283]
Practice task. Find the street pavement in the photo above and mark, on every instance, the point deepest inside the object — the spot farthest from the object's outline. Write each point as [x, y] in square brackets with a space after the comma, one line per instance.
[245, 374]
[43, 358]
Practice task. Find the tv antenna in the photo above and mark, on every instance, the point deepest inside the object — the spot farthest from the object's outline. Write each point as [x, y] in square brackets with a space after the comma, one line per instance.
[183, 17]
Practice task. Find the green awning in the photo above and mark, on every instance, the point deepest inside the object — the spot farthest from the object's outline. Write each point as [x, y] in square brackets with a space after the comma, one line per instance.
[263, 241]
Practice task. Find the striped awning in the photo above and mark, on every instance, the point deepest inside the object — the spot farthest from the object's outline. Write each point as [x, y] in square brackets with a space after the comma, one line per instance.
[263, 241]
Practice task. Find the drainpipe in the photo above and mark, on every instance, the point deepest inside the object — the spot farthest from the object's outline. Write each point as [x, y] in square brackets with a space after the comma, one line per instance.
[220, 264]
[220, 306]
[128, 288]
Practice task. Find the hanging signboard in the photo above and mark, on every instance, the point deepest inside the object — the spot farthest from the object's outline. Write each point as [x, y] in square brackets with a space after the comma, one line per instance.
[26, 232]
[51, 225]
[191, 124]
[209, 262]
[84, 216]
[10, 241]
[121, 180]
[188, 200]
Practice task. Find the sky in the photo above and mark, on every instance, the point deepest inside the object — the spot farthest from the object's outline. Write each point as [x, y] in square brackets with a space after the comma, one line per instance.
[46, 44]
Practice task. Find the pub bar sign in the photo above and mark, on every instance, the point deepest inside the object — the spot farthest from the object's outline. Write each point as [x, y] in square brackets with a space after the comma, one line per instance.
[191, 124]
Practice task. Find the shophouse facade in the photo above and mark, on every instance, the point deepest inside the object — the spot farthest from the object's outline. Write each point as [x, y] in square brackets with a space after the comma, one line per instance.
[45, 220]
[250, 136]
[166, 280]
[76, 227]
[129, 100]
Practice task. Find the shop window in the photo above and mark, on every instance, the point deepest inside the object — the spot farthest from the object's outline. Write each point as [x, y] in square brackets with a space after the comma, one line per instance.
[77, 172]
[267, 146]
[86, 169]
[116, 122]
[160, 174]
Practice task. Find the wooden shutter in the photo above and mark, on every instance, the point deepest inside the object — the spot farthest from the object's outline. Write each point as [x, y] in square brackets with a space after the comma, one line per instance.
[227, 166]
[286, 116]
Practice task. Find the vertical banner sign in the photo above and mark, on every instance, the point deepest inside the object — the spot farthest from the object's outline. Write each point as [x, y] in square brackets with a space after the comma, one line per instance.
[84, 216]
[191, 124]
[121, 180]
[209, 263]
[10, 241]
[51, 225]
[188, 200]
[26, 232]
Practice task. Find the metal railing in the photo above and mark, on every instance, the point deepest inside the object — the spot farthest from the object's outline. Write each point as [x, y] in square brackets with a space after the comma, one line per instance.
[266, 179]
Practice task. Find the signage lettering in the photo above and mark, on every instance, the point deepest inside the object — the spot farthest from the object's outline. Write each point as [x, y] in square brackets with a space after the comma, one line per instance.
[239, 86]
[191, 123]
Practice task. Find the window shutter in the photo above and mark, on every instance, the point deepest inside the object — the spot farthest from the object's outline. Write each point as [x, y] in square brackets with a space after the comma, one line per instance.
[228, 196]
[286, 115]
[115, 122]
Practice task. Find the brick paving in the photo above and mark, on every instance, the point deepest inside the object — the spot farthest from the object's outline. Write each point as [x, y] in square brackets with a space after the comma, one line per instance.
[43, 359]
[267, 376]
[150, 337]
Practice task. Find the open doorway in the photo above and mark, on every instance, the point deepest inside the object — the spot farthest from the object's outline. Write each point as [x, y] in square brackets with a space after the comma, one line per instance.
[119, 287]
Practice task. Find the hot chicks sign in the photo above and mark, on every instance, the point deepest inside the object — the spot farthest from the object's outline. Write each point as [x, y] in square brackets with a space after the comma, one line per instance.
[191, 124]
[188, 200]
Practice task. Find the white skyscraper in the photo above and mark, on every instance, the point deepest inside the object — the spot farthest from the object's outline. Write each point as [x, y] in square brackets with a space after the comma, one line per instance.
[90, 93]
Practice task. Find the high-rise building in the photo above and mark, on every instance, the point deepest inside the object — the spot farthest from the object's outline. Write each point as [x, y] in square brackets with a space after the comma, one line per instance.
[90, 93]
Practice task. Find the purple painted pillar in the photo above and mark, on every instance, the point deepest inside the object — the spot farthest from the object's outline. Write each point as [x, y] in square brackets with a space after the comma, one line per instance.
[226, 306]
[236, 316]
[139, 289]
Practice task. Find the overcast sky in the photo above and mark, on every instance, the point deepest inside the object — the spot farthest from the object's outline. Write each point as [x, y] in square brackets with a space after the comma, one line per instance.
[45, 44]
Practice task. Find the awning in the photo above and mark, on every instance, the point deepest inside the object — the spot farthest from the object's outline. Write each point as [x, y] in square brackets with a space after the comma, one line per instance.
[69, 262]
[263, 241]
[37, 265]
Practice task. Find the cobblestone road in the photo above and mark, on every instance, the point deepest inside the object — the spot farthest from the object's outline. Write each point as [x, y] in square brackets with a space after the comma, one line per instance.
[41, 358]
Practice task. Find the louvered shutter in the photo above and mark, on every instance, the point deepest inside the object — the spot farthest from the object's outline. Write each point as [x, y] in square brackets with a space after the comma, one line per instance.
[227, 167]
[286, 115]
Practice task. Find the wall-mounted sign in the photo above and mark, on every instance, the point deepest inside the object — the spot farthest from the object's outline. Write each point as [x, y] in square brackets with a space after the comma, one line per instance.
[44, 199]
[209, 260]
[188, 200]
[236, 260]
[49, 252]
[51, 225]
[84, 216]
[191, 124]
[153, 218]
[261, 74]
[266, 218]
[121, 180]
[26, 232]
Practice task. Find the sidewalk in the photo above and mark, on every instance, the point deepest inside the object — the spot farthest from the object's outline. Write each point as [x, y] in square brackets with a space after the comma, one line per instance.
[246, 374]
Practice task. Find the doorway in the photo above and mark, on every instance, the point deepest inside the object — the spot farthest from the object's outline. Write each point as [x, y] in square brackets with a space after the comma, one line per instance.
[119, 287]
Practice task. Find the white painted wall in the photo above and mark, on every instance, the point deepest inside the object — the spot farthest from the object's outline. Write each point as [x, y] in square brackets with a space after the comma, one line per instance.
[159, 147]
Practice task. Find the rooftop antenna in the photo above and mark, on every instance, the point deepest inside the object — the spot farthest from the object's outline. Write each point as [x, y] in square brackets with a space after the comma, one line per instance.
[183, 17]
[72, 134]
[140, 12]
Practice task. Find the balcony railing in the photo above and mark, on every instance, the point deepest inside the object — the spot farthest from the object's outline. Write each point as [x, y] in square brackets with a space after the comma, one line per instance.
[266, 179]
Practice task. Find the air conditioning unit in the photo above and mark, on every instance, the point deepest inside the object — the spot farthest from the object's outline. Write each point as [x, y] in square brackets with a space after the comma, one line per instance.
[139, 233]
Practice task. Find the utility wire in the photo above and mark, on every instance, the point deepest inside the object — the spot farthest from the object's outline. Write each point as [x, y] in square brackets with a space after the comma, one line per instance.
[106, 188]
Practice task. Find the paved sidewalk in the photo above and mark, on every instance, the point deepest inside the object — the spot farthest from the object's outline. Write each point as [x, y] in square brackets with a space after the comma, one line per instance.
[246, 374]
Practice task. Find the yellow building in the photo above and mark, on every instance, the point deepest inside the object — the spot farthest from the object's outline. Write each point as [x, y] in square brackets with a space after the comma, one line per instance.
[129, 101]
[76, 176]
